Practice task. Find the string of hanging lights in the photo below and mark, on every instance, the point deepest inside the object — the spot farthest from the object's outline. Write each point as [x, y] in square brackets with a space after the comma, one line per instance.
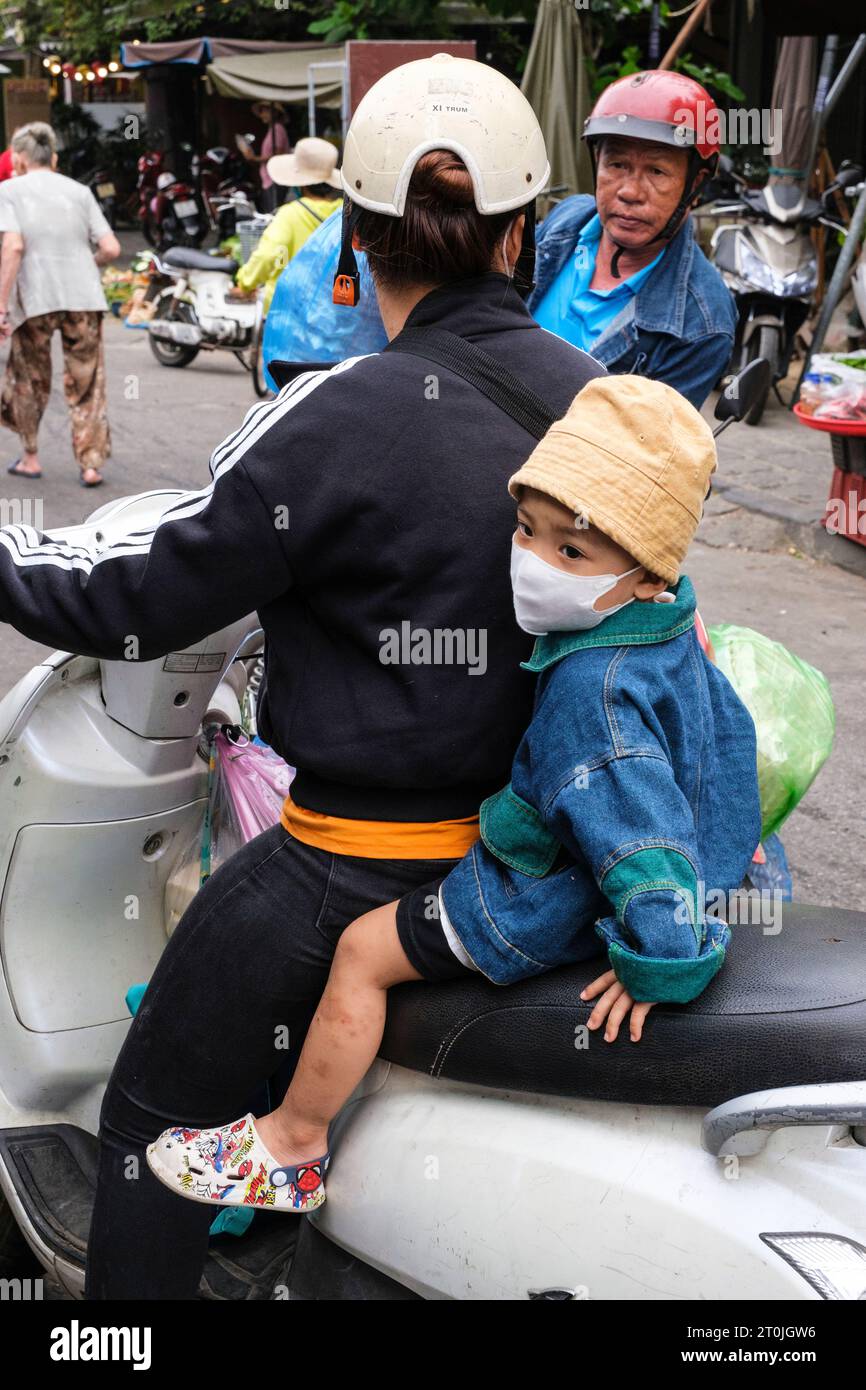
[96, 71]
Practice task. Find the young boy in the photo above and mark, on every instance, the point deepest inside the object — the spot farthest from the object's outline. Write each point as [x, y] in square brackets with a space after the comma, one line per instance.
[633, 793]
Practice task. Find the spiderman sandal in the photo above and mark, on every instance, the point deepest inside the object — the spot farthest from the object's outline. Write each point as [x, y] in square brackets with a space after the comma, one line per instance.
[230, 1167]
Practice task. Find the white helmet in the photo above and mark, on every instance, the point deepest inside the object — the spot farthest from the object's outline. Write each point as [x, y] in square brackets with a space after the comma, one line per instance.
[444, 103]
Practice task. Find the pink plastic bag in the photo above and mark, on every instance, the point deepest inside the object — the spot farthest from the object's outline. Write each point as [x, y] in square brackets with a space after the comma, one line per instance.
[255, 779]
[248, 783]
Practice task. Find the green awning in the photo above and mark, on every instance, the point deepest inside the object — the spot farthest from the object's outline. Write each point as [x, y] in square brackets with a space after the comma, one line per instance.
[279, 76]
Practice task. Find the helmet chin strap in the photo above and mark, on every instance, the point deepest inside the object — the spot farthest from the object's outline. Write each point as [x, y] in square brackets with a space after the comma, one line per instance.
[614, 260]
[524, 270]
[347, 281]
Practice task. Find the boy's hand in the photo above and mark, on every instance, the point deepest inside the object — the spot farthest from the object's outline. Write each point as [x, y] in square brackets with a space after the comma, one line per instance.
[613, 1005]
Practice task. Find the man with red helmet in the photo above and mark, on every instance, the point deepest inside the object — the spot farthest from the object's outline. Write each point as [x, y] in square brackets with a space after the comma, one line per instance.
[620, 275]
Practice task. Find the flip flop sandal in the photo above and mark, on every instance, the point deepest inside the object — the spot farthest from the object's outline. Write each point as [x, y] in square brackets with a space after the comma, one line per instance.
[230, 1167]
[17, 473]
[96, 483]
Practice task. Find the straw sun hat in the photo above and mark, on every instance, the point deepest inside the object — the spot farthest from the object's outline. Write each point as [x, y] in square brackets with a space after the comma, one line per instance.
[311, 161]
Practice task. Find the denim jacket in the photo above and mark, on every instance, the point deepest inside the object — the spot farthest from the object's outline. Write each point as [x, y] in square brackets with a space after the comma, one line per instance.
[633, 803]
[678, 328]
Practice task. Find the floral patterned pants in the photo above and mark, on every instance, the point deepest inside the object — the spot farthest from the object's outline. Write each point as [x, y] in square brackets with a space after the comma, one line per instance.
[27, 384]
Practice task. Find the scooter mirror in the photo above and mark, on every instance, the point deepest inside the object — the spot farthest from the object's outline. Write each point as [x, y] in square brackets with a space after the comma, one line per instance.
[848, 176]
[741, 392]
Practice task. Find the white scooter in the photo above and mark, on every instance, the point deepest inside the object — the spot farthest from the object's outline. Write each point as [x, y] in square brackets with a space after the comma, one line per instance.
[768, 261]
[192, 312]
[495, 1149]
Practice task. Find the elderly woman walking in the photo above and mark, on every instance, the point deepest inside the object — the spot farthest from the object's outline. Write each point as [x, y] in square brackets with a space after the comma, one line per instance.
[49, 281]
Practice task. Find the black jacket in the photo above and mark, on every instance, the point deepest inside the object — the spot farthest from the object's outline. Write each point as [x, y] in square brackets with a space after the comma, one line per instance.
[357, 501]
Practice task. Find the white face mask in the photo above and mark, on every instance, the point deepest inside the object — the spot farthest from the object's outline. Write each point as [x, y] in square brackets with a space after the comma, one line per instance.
[546, 599]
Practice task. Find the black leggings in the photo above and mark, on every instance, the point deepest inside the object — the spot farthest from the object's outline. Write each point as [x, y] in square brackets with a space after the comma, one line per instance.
[248, 961]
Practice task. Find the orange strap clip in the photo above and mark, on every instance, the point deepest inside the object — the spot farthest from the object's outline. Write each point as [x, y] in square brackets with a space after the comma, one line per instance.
[347, 289]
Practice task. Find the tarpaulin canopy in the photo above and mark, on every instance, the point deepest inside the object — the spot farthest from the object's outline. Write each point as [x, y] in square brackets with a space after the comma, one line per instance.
[280, 76]
[197, 51]
[556, 85]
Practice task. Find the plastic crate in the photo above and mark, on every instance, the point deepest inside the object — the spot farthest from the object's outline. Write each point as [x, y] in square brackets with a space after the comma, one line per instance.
[849, 454]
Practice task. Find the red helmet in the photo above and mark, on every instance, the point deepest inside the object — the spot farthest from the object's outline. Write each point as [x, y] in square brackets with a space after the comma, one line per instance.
[667, 107]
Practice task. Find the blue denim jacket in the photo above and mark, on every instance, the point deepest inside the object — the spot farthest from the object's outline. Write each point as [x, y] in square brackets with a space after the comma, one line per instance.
[679, 327]
[633, 803]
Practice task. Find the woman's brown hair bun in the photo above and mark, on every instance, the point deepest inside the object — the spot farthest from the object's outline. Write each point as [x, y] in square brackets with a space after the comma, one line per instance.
[442, 176]
[441, 236]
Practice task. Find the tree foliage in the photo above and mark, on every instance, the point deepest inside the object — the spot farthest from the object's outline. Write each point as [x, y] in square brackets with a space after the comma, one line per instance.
[607, 59]
[380, 19]
[86, 29]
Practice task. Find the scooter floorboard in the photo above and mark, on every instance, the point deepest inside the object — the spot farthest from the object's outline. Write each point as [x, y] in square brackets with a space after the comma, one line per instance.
[52, 1169]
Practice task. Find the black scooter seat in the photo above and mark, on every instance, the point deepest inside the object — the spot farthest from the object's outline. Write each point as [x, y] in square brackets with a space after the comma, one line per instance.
[784, 1010]
[187, 258]
[810, 210]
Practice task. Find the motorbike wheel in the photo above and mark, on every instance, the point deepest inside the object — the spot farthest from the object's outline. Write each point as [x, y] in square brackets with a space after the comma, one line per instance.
[166, 353]
[764, 344]
[256, 361]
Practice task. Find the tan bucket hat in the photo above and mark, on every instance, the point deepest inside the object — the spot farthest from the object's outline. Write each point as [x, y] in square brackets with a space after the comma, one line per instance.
[634, 458]
[311, 161]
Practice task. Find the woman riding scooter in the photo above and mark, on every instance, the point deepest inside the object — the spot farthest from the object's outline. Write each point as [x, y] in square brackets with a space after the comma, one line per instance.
[402, 524]
[311, 168]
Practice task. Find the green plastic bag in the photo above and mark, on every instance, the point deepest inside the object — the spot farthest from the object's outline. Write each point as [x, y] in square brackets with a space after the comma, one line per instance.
[791, 704]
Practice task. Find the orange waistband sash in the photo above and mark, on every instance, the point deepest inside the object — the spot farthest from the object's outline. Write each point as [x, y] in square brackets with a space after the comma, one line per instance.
[380, 839]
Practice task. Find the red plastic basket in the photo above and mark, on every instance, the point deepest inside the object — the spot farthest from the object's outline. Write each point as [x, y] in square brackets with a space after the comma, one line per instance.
[856, 428]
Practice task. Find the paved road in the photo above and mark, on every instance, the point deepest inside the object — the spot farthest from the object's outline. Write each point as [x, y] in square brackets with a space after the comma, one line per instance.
[166, 422]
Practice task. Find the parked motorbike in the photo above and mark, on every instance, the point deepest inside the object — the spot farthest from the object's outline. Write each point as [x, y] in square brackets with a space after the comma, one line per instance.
[768, 260]
[194, 312]
[102, 186]
[85, 163]
[495, 1149]
[222, 179]
[168, 208]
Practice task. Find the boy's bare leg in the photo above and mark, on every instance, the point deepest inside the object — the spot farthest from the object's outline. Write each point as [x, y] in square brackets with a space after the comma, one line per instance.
[343, 1038]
